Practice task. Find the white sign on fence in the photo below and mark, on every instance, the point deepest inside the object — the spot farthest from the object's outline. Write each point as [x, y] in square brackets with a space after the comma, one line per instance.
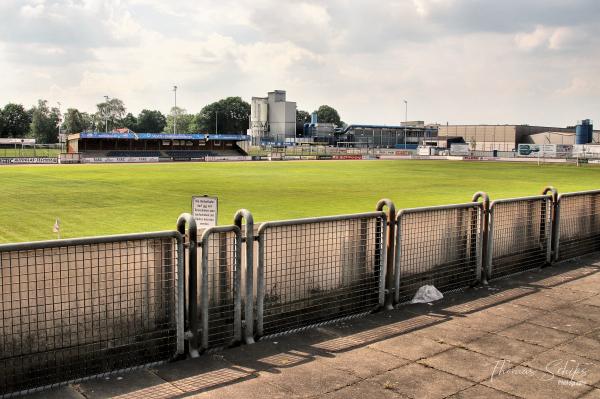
[205, 211]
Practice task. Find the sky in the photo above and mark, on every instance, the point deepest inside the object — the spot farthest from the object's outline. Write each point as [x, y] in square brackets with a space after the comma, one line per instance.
[454, 61]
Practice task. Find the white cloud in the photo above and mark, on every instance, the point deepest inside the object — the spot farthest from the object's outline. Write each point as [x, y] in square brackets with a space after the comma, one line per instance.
[455, 60]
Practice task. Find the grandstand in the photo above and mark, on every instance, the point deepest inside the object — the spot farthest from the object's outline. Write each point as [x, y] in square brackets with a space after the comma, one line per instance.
[154, 146]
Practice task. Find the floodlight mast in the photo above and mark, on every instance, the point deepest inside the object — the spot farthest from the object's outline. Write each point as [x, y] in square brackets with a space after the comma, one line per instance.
[175, 111]
[405, 121]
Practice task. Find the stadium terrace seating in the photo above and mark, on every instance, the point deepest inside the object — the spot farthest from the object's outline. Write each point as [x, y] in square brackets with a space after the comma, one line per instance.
[190, 154]
[133, 154]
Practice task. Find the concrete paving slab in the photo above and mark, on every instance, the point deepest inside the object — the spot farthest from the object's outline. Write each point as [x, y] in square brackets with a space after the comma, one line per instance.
[593, 394]
[254, 388]
[583, 346]
[364, 362]
[567, 323]
[137, 384]
[516, 312]
[311, 379]
[362, 390]
[418, 381]
[568, 295]
[268, 356]
[203, 373]
[536, 334]
[486, 321]
[534, 384]
[584, 285]
[481, 392]
[501, 347]
[593, 300]
[463, 363]
[567, 365]
[410, 346]
[494, 296]
[582, 311]
[452, 333]
[541, 300]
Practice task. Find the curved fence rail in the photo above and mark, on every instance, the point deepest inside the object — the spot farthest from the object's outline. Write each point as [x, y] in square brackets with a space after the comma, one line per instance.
[438, 246]
[72, 309]
[315, 270]
[220, 304]
[520, 234]
[578, 224]
[76, 308]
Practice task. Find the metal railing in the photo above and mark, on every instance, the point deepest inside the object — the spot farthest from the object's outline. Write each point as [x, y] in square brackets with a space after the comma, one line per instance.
[438, 246]
[314, 270]
[578, 222]
[220, 288]
[519, 236]
[72, 309]
[76, 308]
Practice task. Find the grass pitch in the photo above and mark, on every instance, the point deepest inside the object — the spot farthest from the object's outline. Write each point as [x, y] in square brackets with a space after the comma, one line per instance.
[110, 199]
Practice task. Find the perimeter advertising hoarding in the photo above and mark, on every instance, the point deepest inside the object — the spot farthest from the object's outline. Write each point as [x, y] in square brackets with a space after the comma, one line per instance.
[25, 160]
[544, 150]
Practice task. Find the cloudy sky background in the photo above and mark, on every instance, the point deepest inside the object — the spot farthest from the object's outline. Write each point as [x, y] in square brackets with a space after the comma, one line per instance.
[456, 61]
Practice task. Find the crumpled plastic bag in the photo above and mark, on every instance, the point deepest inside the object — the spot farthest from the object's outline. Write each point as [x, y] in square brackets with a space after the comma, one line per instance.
[427, 294]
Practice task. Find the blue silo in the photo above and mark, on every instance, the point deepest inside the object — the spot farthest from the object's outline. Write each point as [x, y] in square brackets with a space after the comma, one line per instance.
[584, 132]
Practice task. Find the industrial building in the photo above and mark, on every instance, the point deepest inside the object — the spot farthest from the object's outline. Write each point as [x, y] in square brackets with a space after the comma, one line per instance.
[508, 137]
[272, 118]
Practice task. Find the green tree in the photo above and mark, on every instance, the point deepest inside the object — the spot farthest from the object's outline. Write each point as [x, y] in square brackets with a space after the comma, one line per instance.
[302, 117]
[15, 121]
[229, 115]
[44, 123]
[185, 121]
[327, 114]
[109, 114]
[151, 121]
[75, 121]
[130, 122]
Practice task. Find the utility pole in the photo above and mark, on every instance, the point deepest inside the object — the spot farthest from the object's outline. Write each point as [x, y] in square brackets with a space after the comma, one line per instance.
[175, 111]
[216, 122]
[405, 120]
[59, 123]
[106, 114]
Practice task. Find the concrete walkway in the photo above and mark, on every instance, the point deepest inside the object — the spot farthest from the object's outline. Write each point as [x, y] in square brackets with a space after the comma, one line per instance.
[536, 335]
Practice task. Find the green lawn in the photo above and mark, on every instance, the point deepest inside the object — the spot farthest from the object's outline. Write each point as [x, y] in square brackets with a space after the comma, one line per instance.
[107, 199]
[29, 152]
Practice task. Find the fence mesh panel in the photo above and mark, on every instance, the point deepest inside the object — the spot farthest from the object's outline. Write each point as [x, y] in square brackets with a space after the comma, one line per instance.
[322, 270]
[439, 247]
[222, 288]
[521, 233]
[79, 310]
[579, 226]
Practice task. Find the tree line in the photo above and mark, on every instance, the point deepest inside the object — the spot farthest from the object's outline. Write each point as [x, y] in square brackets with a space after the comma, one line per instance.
[229, 115]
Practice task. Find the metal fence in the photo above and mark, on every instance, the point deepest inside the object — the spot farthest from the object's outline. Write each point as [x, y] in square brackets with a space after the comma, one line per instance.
[77, 308]
[71, 309]
[437, 246]
[520, 234]
[314, 270]
[220, 291]
[578, 224]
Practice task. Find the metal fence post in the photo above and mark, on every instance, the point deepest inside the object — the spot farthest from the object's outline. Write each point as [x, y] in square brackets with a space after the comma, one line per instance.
[483, 259]
[389, 274]
[249, 301]
[554, 222]
[192, 315]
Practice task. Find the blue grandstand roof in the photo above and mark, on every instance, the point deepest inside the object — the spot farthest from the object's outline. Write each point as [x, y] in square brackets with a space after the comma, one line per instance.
[163, 136]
